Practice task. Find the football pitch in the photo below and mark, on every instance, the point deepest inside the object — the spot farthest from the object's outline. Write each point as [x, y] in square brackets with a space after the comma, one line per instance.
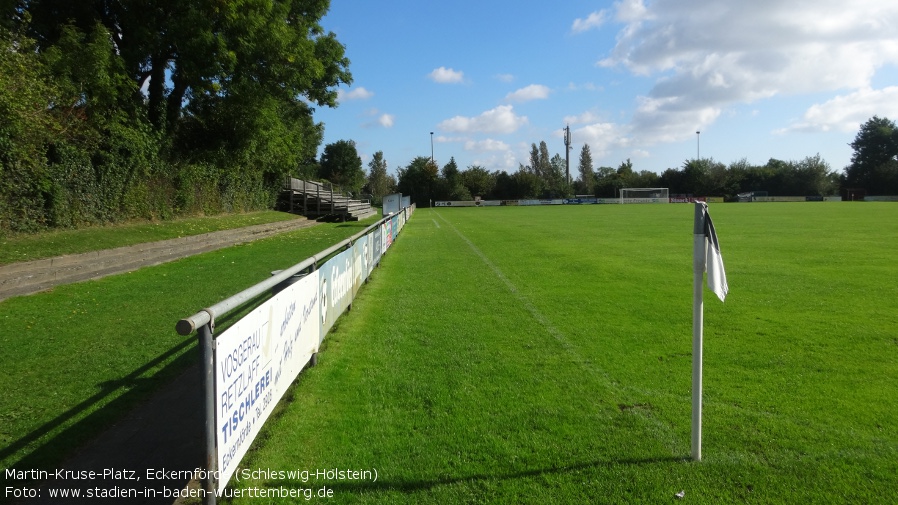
[543, 355]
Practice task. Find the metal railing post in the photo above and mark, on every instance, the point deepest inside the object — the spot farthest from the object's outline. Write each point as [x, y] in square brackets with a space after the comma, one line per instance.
[207, 355]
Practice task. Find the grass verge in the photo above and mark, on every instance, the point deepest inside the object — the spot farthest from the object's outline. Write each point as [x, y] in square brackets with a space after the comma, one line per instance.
[77, 357]
[29, 247]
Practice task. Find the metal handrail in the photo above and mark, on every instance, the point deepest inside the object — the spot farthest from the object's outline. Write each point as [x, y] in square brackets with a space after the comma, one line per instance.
[203, 322]
[190, 324]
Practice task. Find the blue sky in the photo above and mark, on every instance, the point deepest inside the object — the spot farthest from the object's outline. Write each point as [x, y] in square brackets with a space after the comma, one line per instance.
[633, 79]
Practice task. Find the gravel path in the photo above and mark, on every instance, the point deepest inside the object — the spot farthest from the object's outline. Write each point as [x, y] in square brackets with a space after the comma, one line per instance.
[29, 277]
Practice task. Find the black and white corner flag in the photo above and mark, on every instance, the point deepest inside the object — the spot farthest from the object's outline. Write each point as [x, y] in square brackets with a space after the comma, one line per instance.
[706, 258]
[717, 277]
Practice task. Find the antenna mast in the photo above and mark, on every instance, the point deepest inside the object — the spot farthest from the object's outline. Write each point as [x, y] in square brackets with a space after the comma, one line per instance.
[567, 152]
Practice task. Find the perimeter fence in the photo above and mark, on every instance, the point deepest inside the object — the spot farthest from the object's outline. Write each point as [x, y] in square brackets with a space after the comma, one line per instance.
[249, 366]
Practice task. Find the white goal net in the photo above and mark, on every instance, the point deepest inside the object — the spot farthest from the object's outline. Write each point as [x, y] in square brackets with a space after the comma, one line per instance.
[644, 195]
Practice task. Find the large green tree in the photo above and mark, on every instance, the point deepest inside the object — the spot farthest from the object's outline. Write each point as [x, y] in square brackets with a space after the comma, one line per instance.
[158, 107]
[341, 165]
[380, 183]
[587, 173]
[556, 180]
[180, 49]
[608, 182]
[527, 184]
[419, 180]
[451, 187]
[478, 181]
[874, 164]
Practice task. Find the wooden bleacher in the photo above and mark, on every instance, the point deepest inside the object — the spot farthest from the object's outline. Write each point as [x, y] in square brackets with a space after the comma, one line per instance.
[321, 200]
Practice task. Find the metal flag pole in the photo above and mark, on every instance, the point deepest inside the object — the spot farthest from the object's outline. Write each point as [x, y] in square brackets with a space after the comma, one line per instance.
[698, 265]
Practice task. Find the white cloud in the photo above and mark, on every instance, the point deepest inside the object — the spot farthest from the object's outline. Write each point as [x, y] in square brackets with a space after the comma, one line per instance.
[502, 119]
[670, 119]
[359, 93]
[594, 20]
[382, 120]
[532, 92]
[504, 77]
[498, 161]
[486, 145]
[629, 11]
[707, 55]
[846, 113]
[444, 139]
[586, 117]
[386, 120]
[601, 137]
[445, 75]
[587, 86]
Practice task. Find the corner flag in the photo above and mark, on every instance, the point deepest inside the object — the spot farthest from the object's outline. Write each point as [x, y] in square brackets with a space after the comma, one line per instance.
[717, 277]
[705, 256]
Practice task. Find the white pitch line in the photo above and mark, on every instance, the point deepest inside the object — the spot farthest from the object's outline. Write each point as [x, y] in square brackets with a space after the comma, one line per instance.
[436, 223]
[540, 318]
[663, 431]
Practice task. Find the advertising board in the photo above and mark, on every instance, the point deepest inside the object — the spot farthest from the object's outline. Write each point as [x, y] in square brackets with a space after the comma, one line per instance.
[256, 360]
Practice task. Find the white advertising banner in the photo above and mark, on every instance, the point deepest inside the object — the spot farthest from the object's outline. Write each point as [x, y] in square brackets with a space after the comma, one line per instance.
[387, 234]
[256, 360]
[456, 203]
[392, 203]
[335, 277]
[377, 245]
[362, 260]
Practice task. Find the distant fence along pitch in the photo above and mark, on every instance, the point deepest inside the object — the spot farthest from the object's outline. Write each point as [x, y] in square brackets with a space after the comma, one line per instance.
[569, 201]
[250, 365]
[670, 199]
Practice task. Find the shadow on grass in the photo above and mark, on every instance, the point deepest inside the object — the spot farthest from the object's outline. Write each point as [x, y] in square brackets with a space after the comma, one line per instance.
[368, 486]
[53, 450]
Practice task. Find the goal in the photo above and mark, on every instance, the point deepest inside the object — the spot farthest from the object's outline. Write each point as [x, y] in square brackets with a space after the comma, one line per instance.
[644, 195]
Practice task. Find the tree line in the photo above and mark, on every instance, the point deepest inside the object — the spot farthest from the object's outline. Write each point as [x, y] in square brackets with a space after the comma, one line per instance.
[545, 178]
[120, 109]
[873, 171]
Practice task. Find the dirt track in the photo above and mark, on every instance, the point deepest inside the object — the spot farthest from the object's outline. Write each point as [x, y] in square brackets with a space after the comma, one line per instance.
[29, 277]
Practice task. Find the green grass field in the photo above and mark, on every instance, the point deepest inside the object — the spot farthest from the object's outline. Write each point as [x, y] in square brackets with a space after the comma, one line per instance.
[543, 355]
[79, 356]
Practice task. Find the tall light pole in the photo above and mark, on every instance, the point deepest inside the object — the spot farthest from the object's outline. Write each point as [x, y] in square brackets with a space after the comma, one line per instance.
[698, 152]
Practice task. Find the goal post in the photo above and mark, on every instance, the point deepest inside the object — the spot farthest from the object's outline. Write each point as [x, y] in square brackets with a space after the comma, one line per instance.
[644, 195]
